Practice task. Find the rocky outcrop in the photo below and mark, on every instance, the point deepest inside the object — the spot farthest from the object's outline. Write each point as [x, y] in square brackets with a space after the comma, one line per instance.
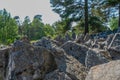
[45, 42]
[108, 71]
[75, 70]
[78, 51]
[67, 64]
[28, 62]
[62, 59]
[95, 57]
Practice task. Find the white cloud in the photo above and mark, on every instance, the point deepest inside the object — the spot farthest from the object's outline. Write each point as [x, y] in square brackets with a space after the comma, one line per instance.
[30, 8]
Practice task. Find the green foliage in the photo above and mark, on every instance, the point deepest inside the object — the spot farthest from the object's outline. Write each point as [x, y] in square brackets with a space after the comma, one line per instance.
[113, 5]
[113, 23]
[11, 29]
[26, 27]
[99, 12]
[61, 27]
[68, 8]
[8, 28]
[74, 10]
[36, 29]
[58, 26]
[112, 2]
[49, 30]
[95, 25]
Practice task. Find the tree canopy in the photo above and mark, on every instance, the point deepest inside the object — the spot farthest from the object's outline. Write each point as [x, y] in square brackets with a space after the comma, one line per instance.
[8, 28]
[90, 16]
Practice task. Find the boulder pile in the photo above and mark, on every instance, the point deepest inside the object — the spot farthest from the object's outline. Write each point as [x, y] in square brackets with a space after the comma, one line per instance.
[74, 58]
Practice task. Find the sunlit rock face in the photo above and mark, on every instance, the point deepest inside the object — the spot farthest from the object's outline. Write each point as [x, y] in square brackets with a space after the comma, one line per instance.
[108, 71]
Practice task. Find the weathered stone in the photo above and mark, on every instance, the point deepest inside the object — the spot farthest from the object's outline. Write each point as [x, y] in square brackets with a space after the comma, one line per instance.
[102, 45]
[56, 42]
[108, 71]
[80, 38]
[26, 61]
[86, 37]
[78, 51]
[109, 39]
[95, 57]
[45, 42]
[60, 58]
[68, 64]
[74, 69]
[95, 44]
[57, 52]
[89, 43]
[57, 75]
[4, 55]
[115, 41]
[49, 59]
[99, 43]
[115, 52]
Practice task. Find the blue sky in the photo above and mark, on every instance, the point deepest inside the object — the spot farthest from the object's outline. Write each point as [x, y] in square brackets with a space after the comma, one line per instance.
[30, 8]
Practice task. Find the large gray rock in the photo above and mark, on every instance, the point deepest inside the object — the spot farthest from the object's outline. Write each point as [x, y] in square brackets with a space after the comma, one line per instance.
[57, 52]
[45, 42]
[108, 71]
[95, 57]
[78, 51]
[68, 65]
[27, 62]
[75, 70]
[114, 47]
[4, 55]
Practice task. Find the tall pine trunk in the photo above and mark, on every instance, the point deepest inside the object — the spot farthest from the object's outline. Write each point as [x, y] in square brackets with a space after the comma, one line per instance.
[86, 29]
